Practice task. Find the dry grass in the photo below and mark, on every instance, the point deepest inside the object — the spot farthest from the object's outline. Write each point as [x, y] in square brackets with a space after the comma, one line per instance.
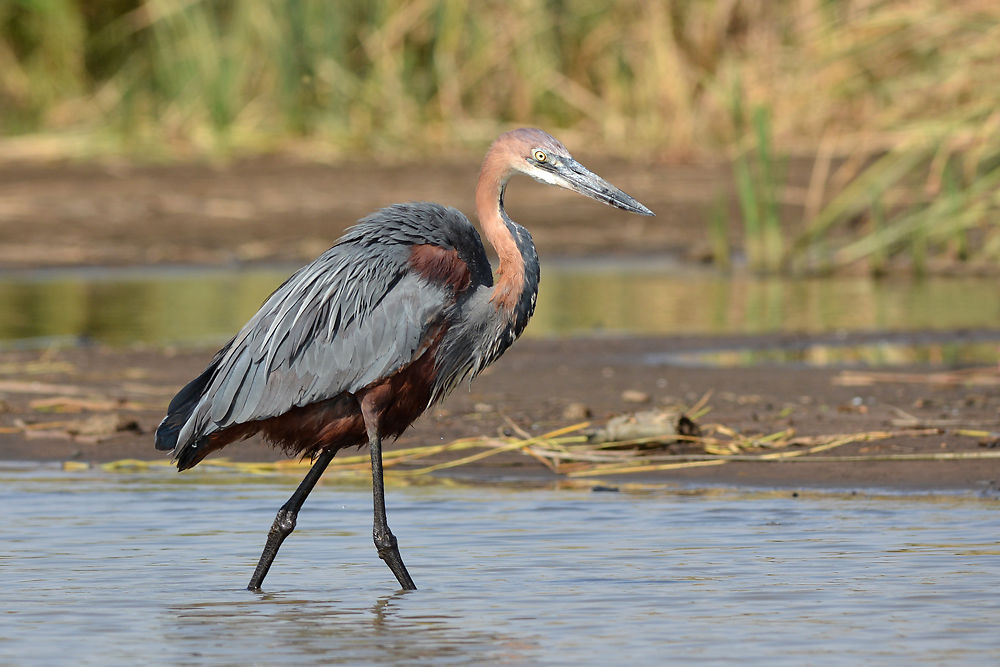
[571, 452]
[896, 99]
[638, 78]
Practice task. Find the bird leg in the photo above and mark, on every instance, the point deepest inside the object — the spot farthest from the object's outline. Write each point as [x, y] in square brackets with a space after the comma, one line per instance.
[385, 541]
[284, 522]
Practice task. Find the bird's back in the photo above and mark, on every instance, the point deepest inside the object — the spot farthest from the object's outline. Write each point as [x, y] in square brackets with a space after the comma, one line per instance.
[368, 309]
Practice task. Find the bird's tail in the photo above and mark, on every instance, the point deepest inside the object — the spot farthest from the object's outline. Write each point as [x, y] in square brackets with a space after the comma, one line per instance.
[180, 409]
[182, 405]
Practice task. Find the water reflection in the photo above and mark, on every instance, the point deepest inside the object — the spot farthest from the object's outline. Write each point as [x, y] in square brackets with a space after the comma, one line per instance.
[311, 624]
[194, 306]
[645, 300]
[960, 351]
[123, 306]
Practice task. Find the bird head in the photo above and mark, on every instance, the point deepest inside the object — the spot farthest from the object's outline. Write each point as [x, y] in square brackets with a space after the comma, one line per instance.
[538, 154]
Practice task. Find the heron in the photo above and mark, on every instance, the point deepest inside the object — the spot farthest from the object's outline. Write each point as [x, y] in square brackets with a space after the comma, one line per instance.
[354, 346]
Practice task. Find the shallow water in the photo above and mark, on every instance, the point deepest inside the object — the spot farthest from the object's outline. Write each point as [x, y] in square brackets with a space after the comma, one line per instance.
[942, 349]
[149, 568]
[644, 297]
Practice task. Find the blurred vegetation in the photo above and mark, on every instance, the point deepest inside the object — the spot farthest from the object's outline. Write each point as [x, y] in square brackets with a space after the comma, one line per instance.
[893, 103]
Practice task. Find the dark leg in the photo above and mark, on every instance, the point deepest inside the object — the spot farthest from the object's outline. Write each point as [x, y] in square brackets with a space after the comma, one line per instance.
[284, 522]
[385, 541]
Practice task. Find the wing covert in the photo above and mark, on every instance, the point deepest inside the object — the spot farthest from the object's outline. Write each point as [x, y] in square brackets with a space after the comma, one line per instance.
[337, 325]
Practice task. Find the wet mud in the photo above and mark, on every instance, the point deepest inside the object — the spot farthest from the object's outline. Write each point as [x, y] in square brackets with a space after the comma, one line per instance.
[98, 404]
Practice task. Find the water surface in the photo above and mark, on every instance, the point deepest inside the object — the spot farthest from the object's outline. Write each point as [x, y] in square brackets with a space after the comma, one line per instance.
[149, 569]
[641, 297]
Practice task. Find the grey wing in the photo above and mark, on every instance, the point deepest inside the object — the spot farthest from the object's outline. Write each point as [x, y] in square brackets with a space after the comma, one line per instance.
[336, 326]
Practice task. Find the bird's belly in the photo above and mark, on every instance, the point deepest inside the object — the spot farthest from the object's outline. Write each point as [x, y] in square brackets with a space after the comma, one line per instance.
[337, 422]
[334, 423]
[403, 396]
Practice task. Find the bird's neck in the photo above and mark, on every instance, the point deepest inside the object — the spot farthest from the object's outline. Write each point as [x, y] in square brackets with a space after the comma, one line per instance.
[516, 282]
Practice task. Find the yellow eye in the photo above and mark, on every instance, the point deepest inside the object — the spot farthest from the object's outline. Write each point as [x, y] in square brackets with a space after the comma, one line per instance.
[539, 156]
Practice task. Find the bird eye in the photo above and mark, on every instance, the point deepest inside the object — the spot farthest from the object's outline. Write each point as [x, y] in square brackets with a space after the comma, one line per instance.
[539, 156]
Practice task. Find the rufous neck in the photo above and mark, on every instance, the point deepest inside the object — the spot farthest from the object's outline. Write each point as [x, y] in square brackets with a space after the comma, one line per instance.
[489, 201]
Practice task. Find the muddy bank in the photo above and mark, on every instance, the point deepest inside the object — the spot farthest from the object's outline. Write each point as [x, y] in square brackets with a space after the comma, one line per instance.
[274, 210]
[119, 395]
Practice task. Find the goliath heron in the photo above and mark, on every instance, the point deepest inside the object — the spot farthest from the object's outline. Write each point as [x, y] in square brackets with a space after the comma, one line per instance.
[353, 347]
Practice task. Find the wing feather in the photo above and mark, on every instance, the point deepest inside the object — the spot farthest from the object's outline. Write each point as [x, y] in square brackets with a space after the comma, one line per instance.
[356, 314]
[229, 385]
[337, 325]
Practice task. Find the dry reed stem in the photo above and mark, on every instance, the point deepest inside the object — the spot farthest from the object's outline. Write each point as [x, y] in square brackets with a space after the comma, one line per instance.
[565, 453]
[507, 446]
[828, 442]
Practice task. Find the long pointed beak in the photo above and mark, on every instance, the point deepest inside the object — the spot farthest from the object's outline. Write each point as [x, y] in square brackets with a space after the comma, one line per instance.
[574, 176]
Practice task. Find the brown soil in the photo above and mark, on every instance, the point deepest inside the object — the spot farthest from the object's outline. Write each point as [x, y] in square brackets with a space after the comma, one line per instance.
[274, 210]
